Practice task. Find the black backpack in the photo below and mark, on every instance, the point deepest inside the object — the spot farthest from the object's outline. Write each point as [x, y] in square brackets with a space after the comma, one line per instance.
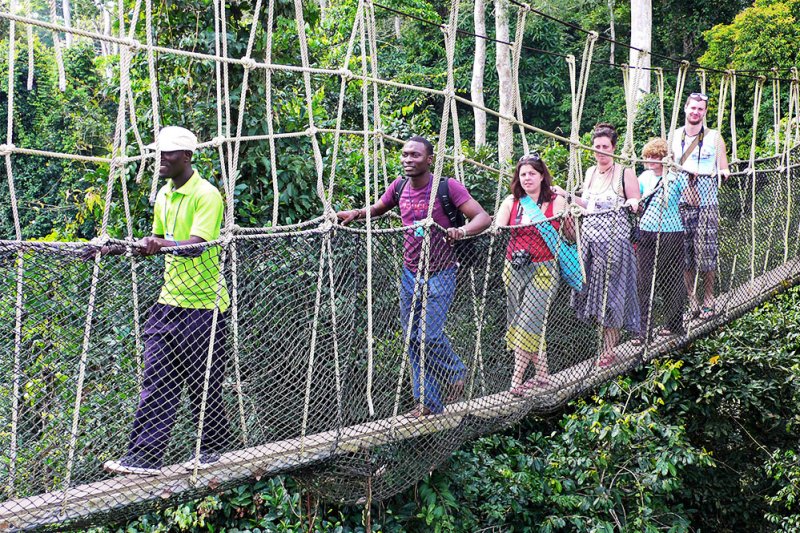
[469, 252]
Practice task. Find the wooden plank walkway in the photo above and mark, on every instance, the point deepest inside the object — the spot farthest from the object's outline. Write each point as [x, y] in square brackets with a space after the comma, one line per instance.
[83, 501]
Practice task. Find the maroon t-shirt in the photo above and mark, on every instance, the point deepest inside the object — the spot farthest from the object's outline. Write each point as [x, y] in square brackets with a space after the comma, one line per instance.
[413, 206]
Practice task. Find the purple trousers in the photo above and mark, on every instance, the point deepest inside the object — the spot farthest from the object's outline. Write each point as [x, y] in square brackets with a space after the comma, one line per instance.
[176, 352]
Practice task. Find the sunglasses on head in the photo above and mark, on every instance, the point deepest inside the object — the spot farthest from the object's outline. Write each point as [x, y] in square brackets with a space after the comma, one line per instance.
[699, 96]
[533, 156]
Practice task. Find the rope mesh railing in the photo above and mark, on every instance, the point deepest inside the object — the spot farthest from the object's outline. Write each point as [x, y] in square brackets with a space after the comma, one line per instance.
[308, 370]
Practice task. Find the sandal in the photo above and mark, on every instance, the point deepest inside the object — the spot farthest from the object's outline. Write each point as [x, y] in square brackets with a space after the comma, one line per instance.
[665, 332]
[637, 341]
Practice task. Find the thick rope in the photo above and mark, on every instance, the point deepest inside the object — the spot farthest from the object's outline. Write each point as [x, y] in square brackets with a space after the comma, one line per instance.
[273, 170]
[18, 311]
[209, 361]
[676, 104]
[578, 93]
[313, 348]
[368, 183]
[661, 115]
[757, 93]
[151, 71]
[734, 136]
[312, 130]
[632, 106]
[516, 53]
[786, 163]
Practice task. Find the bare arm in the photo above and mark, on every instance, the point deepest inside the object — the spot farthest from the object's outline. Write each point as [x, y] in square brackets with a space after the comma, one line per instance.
[722, 159]
[376, 210]
[503, 215]
[567, 223]
[631, 183]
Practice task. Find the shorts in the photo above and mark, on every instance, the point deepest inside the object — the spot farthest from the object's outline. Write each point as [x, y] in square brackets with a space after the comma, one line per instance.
[700, 237]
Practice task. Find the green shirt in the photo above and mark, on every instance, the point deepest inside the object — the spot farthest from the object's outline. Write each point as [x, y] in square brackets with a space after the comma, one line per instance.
[194, 209]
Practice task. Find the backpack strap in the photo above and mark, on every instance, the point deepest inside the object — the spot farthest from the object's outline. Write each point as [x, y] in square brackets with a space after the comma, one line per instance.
[398, 190]
[455, 216]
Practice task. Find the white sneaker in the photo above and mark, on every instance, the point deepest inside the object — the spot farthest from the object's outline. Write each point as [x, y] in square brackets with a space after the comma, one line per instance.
[131, 465]
[207, 459]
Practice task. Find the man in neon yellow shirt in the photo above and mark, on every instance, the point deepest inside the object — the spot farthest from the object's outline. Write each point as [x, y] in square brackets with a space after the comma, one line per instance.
[178, 332]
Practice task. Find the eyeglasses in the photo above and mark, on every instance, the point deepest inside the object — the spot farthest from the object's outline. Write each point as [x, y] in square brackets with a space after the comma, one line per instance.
[699, 96]
[533, 156]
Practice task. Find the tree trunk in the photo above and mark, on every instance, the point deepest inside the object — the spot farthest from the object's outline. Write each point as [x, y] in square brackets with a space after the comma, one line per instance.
[478, 70]
[397, 22]
[641, 37]
[66, 11]
[613, 30]
[505, 132]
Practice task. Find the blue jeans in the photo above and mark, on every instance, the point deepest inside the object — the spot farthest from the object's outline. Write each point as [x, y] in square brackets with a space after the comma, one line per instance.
[442, 364]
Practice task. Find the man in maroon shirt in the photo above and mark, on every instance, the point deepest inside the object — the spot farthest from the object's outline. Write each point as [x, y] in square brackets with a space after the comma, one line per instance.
[442, 364]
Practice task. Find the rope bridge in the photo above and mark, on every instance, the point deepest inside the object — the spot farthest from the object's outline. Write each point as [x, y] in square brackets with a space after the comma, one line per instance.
[317, 379]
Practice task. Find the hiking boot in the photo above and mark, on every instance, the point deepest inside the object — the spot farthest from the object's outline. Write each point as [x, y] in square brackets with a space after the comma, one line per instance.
[207, 459]
[132, 465]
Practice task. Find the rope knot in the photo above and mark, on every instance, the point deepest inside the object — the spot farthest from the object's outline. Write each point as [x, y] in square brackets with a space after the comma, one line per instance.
[100, 240]
[346, 74]
[6, 149]
[311, 131]
[248, 63]
[132, 44]
[593, 35]
[218, 141]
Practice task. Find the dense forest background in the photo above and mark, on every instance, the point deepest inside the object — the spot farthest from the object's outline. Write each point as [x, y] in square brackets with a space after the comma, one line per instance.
[706, 441]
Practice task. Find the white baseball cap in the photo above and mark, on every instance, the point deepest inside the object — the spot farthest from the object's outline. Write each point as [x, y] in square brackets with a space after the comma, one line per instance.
[175, 138]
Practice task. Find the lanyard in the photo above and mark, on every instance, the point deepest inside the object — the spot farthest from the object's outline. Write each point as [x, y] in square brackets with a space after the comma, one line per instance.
[411, 203]
[174, 220]
[699, 144]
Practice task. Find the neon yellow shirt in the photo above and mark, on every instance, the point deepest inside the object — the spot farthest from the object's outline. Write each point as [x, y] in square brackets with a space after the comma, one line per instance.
[194, 209]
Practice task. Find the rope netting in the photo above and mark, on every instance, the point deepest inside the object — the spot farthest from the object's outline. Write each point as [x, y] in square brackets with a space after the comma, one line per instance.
[306, 362]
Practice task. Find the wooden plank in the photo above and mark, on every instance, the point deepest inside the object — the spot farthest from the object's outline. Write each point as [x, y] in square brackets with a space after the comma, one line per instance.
[85, 500]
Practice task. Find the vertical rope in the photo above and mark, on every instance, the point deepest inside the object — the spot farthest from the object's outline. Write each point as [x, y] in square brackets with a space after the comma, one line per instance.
[151, 72]
[313, 348]
[312, 129]
[516, 53]
[776, 110]
[578, 94]
[724, 83]
[209, 361]
[270, 114]
[758, 90]
[676, 104]
[632, 106]
[367, 197]
[734, 136]
[18, 309]
[661, 115]
[116, 162]
[787, 162]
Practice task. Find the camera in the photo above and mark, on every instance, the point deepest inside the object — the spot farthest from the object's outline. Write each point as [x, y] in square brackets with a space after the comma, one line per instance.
[520, 258]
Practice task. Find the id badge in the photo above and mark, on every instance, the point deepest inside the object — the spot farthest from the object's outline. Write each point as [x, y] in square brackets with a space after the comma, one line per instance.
[419, 231]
